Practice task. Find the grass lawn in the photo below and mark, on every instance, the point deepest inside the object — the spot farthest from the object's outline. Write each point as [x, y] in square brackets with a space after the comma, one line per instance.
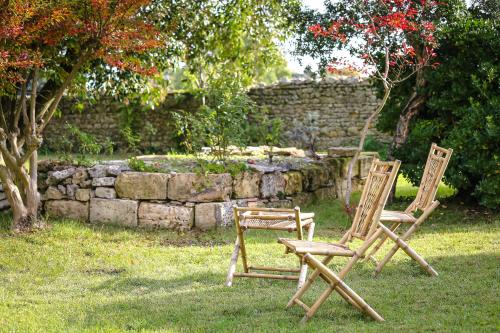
[74, 277]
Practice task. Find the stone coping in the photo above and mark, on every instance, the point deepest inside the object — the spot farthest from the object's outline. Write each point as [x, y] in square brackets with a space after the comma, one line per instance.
[112, 193]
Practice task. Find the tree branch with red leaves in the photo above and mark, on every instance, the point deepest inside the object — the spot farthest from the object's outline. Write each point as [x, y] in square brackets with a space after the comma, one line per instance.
[40, 41]
[389, 40]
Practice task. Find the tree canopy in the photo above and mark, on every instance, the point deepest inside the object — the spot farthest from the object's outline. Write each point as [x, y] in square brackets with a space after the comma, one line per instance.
[462, 105]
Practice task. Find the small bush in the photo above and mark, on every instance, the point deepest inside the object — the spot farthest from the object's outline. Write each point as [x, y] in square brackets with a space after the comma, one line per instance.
[139, 165]
[219, 123]
[233, 168]
[84, 144]
[132, 139]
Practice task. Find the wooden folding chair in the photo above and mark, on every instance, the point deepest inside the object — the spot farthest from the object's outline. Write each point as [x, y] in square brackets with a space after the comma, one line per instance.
[365, 227]
[277, 219]
[437, 161]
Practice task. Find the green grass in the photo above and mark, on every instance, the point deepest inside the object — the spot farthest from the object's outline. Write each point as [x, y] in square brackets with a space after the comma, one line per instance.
[74, 277]
[405, 189]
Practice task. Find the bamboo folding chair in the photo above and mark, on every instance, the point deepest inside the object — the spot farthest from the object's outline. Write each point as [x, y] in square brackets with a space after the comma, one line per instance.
[436, 164]
[277, 219]
[365, 227]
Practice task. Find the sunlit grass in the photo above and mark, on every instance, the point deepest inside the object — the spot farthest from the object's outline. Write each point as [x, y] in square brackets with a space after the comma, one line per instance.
[406, 190]
[75, 277]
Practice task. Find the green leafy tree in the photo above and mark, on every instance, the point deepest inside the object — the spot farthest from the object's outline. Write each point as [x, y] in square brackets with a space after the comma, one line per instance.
[462, 106]
[392, 38]
[233, 39]
[45, 47]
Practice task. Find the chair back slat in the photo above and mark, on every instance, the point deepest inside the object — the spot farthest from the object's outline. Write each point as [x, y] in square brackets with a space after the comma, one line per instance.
[373, 198]
[436, 164]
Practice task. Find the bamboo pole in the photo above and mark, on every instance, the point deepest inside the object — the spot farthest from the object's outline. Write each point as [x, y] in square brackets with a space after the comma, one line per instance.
[303, 270]
[321, 299]
[241, 239]
[298, 294]
[336, 280]
[267, 276]
[233, 262]
[274, 269]
[382, 240]
[404, 246]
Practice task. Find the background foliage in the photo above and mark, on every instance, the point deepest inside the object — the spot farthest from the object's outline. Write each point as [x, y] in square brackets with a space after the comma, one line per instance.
[462, 108]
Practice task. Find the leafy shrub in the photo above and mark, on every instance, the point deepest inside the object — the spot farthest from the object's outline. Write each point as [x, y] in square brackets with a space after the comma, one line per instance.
[372, 144]
[219, 123]
[462, 110]
[233, 168]
[264, 130]
[139, 165]
[80, 142]
[132, 140]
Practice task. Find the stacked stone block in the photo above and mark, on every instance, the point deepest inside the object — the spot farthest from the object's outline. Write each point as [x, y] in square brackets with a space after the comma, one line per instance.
[334, 110]
[116, 195]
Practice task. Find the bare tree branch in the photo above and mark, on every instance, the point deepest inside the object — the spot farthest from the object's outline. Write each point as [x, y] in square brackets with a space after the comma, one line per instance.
[57, 97]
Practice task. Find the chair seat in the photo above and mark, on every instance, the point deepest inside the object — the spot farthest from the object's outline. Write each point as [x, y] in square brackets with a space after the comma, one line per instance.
[320, 248]
[395, 216]
[250, 220]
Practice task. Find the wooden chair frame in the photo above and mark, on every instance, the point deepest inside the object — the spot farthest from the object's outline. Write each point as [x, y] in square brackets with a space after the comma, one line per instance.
[277, 219]
[436, 164]
[365, 226]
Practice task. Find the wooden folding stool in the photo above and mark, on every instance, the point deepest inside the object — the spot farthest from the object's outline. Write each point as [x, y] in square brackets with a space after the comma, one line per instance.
[277, 219]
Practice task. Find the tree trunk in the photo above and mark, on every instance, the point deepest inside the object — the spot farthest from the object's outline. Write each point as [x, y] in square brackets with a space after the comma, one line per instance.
[21, 128]
[403, 125]
[19, 210]
[22, 195]
[362, 138]
[411, 109]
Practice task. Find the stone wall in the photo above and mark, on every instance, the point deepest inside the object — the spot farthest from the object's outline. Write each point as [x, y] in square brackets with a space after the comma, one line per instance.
[331, 111]
[107, 119]
[112, 193]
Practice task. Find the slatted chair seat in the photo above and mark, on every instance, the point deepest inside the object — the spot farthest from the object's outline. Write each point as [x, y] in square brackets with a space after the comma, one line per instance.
[259, 220]
[396, 216]
[318, 248]
[275, 219]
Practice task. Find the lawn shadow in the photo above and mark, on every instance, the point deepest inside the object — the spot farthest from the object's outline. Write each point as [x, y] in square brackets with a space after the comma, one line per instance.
[202, 303]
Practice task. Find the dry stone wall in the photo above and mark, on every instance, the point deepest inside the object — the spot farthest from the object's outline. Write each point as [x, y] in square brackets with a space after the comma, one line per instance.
[330, 111]
[112, 193]
[107, 119]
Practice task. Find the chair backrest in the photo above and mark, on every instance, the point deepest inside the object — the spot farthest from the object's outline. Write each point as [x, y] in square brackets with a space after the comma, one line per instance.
[373, 198]
[436, 164]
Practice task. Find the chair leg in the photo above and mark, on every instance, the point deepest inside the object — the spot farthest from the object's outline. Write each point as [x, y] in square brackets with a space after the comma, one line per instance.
[335, 284]
[243, 251]
[314, 275]
[321, 299]
[302, 274]
[303, 269]
[400, 243]
[360, 302]
[233, 262]
[381, 242]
